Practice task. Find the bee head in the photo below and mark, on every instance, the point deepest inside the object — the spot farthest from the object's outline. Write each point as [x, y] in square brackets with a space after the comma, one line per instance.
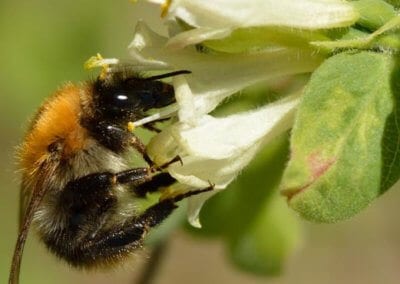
[127, 98]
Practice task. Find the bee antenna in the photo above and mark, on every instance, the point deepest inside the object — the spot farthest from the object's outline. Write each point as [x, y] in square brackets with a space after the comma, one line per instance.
[167, 75]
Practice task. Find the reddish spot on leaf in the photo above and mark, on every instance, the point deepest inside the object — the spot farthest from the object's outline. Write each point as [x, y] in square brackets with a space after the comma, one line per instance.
[318, 166]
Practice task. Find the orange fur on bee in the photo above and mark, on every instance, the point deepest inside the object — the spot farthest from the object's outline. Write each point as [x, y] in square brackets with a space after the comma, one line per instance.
[56, 121]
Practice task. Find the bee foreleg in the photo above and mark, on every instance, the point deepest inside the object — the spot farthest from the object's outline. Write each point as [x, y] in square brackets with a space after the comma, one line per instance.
[136, 143]
[119, 139]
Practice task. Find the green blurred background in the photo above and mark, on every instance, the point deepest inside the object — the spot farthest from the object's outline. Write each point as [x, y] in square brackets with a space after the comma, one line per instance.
[43, 44]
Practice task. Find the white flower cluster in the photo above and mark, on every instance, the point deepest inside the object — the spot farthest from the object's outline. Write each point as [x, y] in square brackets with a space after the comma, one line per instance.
[216, 149]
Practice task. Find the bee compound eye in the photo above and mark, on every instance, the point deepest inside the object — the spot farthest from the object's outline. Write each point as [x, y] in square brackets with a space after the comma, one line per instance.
[119, 100]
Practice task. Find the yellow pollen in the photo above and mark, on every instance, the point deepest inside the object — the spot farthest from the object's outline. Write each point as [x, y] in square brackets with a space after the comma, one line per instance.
[104, 69]
[97, 61]
[131, 126]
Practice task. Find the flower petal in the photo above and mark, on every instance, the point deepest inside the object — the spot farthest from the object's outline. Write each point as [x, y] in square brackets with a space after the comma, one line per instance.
[216, 19]
[216, 76]
[221, 138]
[197, 35]
[217, 149]
[308, 14]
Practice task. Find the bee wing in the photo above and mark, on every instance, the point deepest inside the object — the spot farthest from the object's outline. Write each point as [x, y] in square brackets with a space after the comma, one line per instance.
[27, 211]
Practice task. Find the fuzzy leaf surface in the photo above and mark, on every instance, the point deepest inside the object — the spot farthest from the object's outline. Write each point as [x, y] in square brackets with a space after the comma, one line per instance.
[345, 141]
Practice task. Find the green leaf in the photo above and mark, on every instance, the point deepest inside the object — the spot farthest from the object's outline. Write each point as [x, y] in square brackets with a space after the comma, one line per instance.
[368, 41]
[391, 137]
[373, 13]
[345, 141]
[270, 239]
[262, 231]
[389, 42]
[255, 187]
[395, 3]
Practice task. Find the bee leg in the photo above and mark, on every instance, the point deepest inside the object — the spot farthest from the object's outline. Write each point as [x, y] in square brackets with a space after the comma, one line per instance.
[141, 148]
[128, 237]
[88, 246]
[156, 182]
[122, 139]
[136, 143]
[96, 189]
[157, 213]
[118, 139]
[91, 196]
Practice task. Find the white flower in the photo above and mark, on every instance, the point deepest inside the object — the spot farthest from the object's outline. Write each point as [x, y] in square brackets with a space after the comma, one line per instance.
[214, 75]
[214, 19]
[216, 149]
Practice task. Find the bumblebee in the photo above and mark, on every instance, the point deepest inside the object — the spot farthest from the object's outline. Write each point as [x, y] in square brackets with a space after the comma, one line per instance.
[77, 187]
